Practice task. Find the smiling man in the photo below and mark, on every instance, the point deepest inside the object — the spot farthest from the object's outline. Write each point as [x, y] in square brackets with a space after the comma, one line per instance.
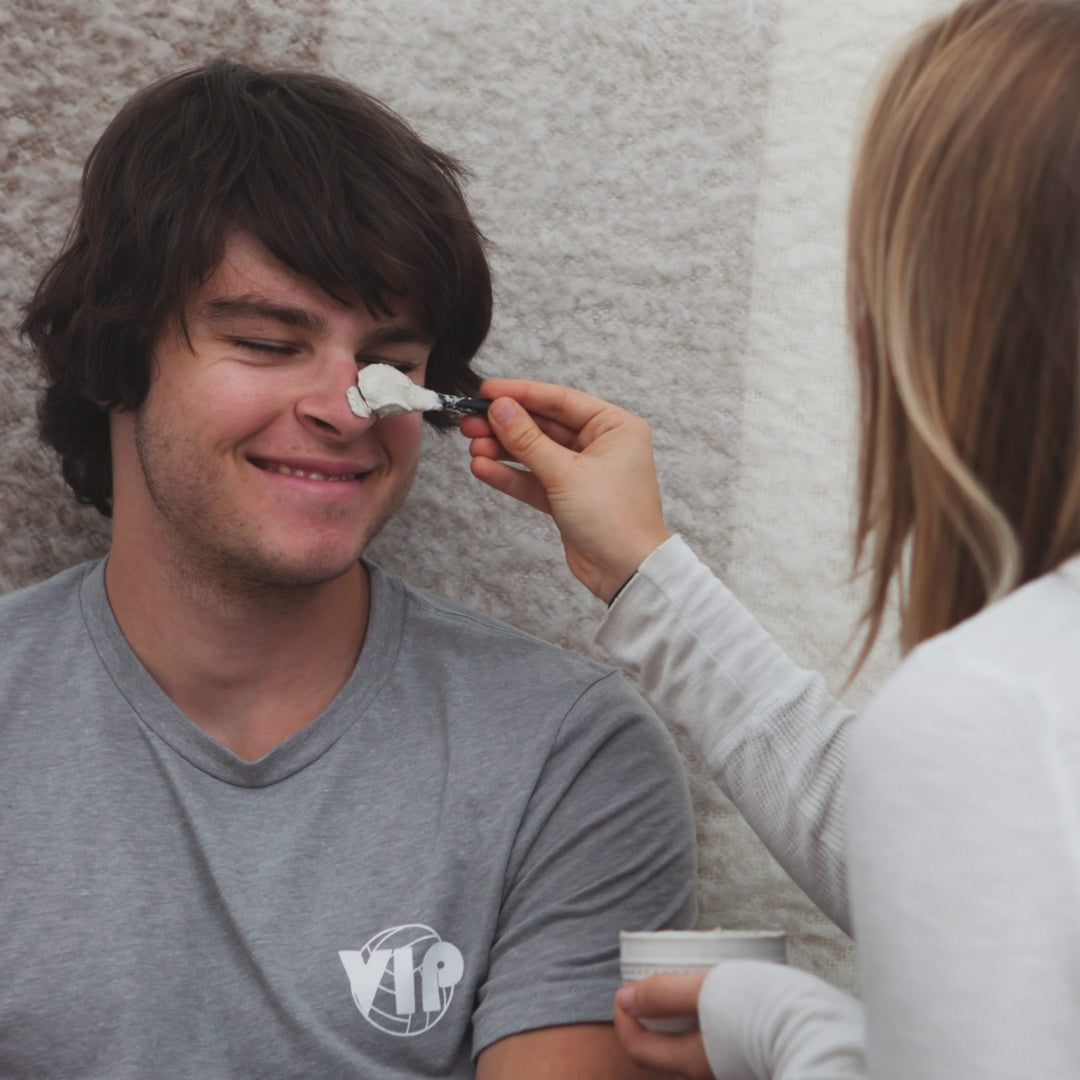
[265, 809]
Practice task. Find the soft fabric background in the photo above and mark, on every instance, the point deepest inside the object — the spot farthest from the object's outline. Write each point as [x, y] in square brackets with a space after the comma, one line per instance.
[663, 187]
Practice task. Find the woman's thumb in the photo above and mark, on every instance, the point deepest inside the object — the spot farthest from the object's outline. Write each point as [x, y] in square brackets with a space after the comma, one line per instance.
[520, 436]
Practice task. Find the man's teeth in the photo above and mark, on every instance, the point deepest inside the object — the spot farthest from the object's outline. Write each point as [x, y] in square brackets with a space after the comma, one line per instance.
[307, 475]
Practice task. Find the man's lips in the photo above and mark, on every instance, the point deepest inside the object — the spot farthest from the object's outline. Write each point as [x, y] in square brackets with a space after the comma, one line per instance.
[305, 470]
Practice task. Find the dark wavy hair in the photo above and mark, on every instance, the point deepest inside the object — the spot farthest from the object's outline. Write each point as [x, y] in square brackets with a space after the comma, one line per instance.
[332, 182]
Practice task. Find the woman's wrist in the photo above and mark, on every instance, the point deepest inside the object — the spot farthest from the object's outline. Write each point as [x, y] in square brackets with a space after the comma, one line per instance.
[619, 576]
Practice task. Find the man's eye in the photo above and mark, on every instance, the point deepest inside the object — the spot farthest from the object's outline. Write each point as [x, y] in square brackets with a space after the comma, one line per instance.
[274, 348]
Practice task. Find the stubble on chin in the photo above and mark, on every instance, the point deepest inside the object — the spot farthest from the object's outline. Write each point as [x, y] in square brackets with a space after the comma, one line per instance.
[215, 554]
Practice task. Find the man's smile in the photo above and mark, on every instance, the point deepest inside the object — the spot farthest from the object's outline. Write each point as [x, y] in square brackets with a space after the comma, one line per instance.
[331, 473]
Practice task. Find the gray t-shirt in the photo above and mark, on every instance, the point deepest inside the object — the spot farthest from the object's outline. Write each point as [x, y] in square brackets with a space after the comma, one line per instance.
[442, 858]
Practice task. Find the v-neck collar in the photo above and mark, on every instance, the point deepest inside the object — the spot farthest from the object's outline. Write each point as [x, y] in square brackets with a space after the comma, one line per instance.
[165, 719]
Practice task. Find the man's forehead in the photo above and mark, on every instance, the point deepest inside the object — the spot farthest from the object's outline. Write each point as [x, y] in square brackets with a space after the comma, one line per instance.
[246, 264]
[250, 282]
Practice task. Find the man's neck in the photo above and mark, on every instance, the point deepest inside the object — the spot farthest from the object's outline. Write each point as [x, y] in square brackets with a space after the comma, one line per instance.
[250, 667]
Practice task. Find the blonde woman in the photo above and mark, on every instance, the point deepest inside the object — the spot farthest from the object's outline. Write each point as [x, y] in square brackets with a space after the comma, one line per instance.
[949, 811]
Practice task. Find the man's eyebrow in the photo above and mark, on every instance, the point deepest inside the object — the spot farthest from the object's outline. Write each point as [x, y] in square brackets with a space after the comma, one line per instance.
[401, 334]
[257, 307]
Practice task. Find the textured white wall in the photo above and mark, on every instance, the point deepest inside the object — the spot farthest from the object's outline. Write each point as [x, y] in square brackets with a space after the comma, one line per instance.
[663, 186]
[795, 509]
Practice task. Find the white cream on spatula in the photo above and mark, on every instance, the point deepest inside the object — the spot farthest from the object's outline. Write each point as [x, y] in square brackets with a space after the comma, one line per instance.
[382, 391]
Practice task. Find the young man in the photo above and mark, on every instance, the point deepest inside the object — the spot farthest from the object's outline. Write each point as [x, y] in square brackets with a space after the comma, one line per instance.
[265, 810]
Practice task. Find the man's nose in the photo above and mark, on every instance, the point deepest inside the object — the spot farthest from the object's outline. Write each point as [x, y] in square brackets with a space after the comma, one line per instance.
[325, 402]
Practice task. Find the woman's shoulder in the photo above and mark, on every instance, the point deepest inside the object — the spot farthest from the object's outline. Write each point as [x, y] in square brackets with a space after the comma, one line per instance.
[1034, 626]
[988, 683]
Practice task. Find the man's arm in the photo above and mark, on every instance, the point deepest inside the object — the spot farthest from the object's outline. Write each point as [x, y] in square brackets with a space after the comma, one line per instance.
[606, 844]
[569, 1052]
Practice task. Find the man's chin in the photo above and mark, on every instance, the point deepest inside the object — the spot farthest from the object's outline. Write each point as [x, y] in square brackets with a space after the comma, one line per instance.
[296, 559]
[312, 573]
[283, 575]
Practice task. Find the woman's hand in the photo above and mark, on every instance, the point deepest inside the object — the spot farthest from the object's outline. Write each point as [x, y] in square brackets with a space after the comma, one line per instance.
[590, 466]
[662, 996]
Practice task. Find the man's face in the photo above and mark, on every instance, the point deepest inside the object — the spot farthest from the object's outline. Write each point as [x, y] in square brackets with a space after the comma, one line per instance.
[245, 463]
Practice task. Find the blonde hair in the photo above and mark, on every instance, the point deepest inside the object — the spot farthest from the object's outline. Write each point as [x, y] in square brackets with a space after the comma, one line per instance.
[963, 289]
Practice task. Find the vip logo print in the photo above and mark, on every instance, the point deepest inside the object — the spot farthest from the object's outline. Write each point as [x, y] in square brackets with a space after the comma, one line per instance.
[403, 979]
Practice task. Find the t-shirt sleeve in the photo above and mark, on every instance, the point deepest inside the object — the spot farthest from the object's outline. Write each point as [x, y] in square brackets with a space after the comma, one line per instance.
[606, 844]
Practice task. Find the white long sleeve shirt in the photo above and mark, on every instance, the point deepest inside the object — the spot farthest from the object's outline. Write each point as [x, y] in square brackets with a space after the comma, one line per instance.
[959, 843]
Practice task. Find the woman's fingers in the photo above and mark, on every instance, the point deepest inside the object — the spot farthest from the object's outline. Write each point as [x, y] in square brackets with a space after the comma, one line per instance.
[517, 483]
[525, 441]
[483, 442]
[573, 409]
[662, 996]
[674, 1055]
[487, 446]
